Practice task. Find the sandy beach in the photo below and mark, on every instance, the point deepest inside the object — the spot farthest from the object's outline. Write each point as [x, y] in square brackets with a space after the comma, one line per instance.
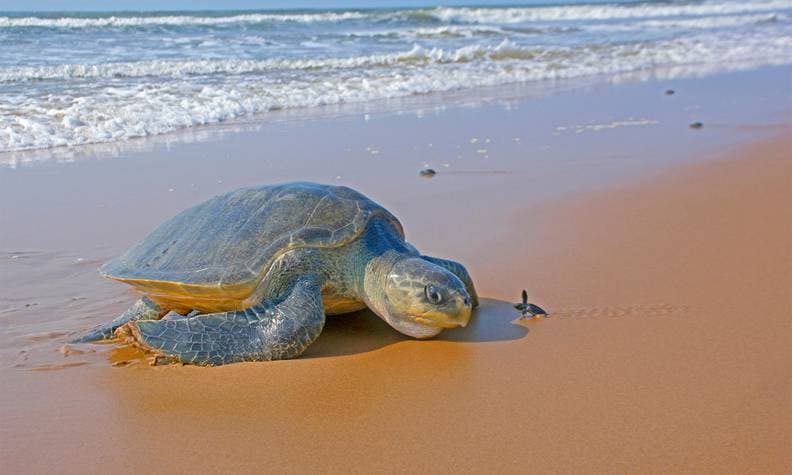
[662, 253]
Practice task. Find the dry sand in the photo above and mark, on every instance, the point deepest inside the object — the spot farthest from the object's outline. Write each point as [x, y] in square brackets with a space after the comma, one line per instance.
[668, 347]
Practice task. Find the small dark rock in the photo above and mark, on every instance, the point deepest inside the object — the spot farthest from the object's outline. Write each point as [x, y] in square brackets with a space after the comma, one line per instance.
[669, 92]
[427, 173]
[696, 125]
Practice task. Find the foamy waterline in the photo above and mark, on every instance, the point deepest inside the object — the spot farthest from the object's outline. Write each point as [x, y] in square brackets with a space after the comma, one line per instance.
[154, 108]
[417, 55]
[70, 79]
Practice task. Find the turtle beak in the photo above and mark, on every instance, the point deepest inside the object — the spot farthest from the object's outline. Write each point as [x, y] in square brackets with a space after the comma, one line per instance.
[465, 309]
[458, 318]
[465, 313]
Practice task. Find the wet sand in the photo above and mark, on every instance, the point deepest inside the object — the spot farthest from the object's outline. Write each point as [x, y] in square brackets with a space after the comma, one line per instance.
[667, 280]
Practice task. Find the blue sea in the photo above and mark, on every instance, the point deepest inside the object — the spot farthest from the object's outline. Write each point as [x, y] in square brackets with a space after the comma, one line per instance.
[69, 79]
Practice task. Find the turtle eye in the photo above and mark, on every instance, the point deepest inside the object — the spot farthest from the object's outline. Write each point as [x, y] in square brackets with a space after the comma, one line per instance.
[432, 294]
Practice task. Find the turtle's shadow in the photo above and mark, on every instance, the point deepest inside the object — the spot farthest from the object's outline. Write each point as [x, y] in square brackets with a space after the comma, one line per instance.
[363, 331]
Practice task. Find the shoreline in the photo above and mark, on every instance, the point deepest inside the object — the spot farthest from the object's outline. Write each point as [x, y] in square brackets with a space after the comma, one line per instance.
[659, 250]
[418, 104]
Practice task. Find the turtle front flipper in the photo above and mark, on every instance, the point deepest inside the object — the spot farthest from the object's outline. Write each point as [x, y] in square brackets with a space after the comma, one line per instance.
[458, 270]
[266, 331]
[143, 309]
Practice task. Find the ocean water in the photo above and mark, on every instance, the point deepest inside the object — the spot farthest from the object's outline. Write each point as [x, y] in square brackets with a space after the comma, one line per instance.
[68, 79]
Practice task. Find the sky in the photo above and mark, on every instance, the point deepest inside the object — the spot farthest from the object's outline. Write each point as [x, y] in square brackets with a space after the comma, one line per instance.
[116, 5]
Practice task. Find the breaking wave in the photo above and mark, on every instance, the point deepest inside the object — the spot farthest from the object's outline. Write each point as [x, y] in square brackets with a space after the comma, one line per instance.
[72, 79]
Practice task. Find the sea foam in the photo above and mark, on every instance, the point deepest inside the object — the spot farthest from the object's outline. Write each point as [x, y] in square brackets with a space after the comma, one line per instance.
[601, 12]
[173, 20]
[113, 112]
[71, 79]
[498, 15]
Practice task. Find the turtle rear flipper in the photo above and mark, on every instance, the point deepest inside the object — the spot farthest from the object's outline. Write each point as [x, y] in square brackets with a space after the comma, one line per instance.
[262, 332]
[143, 309]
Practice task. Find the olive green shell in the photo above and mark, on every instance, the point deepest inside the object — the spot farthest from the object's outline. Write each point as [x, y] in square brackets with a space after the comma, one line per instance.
[232, 239]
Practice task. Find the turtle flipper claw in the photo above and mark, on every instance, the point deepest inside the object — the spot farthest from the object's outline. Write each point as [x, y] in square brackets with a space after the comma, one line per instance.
[143, 309]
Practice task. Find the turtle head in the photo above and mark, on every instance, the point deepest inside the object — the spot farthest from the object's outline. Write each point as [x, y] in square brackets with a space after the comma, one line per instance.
[420, 298]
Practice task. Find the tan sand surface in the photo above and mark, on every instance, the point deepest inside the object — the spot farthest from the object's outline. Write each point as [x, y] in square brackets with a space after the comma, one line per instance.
[668, 349]
[664, 255]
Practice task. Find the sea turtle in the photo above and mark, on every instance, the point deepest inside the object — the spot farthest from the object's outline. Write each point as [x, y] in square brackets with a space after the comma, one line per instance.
[250, 275]
[528, 309]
